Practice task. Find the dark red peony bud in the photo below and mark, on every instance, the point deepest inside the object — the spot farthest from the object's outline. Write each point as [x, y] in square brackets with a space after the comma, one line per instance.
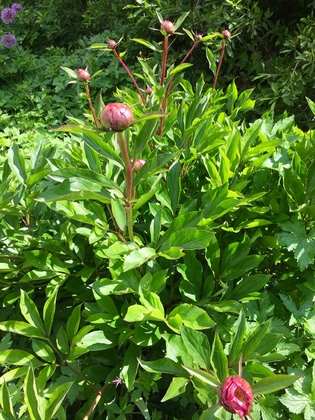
[137, 164]
[112, 44]
[226, 34]
[167, 27]
[237, 396]
[116, 117]
[83, 75]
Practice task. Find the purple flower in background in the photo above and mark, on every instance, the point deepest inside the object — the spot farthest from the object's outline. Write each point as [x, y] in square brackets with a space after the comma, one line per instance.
[8, 15]
[16, 7]
[8, 40]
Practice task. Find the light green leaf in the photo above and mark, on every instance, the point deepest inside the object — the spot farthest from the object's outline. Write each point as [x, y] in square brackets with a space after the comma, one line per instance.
[43, 350]
[197, 346]
[73, 323]
[56, 399]
[30, 312]
[203, 376]
[145, 43]
[176, 387]
[295, 238]
[138, 257]
[22, 328]
[274, 383]
[164, 365]
[49, 311]
[219, 359]
[33, 401]
[119, 213]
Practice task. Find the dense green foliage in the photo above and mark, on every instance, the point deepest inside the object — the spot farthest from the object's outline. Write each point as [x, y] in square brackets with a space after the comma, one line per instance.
[121, 300]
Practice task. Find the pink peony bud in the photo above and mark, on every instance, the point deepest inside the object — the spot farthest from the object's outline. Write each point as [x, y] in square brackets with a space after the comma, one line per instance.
[198, 37]
[167, 27]
[226, 34]
[237, 396]
[83, 75]
[116, 117]
[111, 44]
[149, 90]
[137, 164]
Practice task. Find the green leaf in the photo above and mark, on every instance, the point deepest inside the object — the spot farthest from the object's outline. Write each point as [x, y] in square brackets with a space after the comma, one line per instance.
[248, 285]
[17, 163]
[138, 257]
[237, 343]
[173, 182]
[180, 20]
[212, 413]
[176, 387]
[30, 312]
[130, 365]
[97, 341]
[6, 403]
[18, 358]
[14, 374]
[219, 359]
[274, 383]
[164, 365]
[73, 323]
[71, 72]
[190, 315]
[43, 350]
[49, 311]
[180, 68]
[32, 399]
[145, 43]
[197, 346]
[294, 187]
[296, 239]
[203, 376]
[254, 340]
[56, 398]
[22, 328]
[96, 142]
[76, 189]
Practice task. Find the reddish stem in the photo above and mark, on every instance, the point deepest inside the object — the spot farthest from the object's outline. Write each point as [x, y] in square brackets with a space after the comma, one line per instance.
[169, 88]
[219, 65]
[164, 60]
[130, 75]
[87, 89]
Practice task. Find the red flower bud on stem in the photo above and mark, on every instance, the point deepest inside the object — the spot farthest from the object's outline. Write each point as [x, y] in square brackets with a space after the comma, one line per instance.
[226, 34]
[167, 27]
[116, 117]
[137, 164]
[112, 44]
[237, 396]
[83, 75]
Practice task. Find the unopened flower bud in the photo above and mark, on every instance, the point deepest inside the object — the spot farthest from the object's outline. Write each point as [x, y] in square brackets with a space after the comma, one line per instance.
[83, 75]
[137, 164]
[149, 90]
[226, 34]
[237, 396]
[167, 27]
[111, 44]
[198, 37]
[116, 117]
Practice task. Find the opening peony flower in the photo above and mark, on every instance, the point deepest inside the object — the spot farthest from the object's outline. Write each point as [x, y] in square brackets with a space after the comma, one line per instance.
[16, 7]
[8, 40]
[226, 34]
[8, 15]
[237, 396]
[167, 27]
[83, 75]
[116, 117]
